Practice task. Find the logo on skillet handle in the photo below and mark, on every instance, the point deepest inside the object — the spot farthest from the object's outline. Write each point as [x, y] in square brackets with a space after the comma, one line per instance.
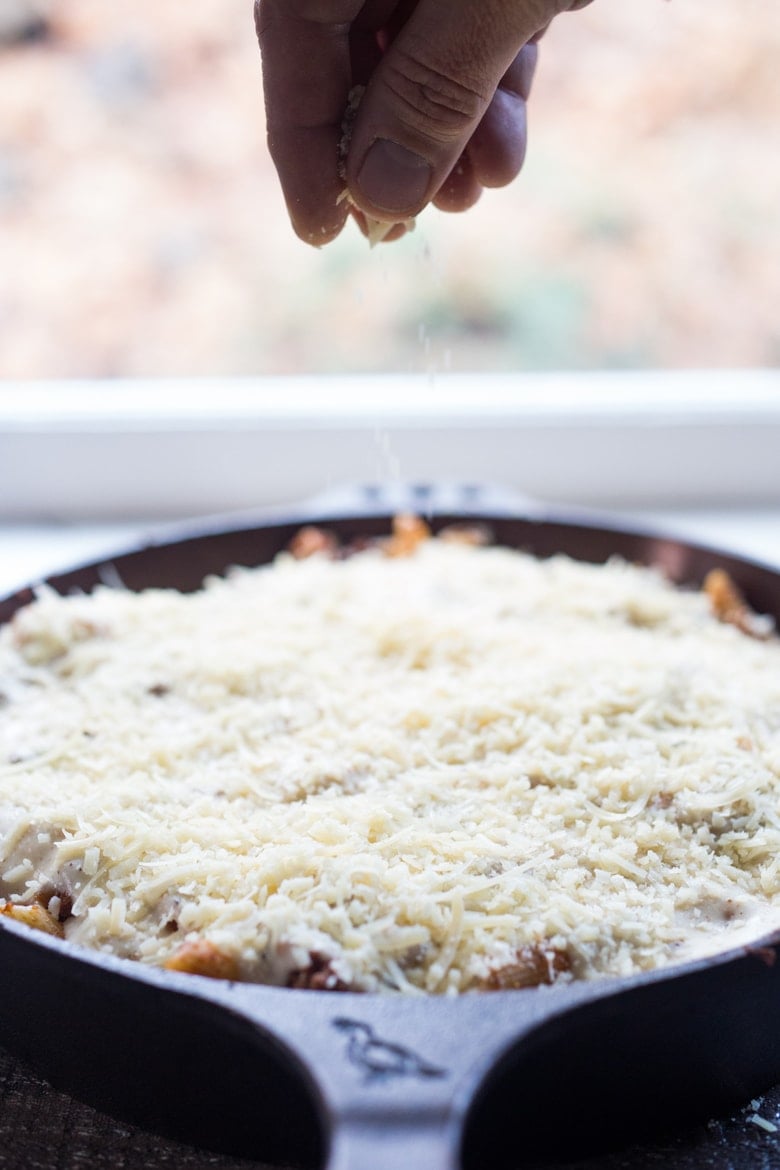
[379, 1060]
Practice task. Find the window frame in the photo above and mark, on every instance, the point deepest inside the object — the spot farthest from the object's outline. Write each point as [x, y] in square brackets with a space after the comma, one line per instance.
[71, 451]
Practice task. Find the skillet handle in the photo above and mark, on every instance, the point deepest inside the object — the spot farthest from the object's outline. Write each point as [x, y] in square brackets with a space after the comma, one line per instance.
[394, 1143]
[394, 1076]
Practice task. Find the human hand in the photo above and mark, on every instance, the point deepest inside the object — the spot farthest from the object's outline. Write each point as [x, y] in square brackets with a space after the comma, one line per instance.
[442, 117]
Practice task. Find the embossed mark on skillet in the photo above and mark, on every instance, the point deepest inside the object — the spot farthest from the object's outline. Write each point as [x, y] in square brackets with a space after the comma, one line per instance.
[380, 1060]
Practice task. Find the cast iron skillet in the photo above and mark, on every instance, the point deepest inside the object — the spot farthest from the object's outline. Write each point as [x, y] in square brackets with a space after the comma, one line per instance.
[353, 1082]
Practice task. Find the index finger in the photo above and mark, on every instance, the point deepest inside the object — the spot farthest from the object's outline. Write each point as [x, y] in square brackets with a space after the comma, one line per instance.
[306, 79]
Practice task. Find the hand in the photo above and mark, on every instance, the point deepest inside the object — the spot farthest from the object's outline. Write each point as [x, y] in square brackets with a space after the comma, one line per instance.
[442, 117]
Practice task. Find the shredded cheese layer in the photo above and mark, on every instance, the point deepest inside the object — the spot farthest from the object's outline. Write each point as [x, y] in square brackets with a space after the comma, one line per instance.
[461, 769]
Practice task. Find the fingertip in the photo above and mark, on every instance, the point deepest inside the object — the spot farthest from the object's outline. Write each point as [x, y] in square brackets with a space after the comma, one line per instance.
[316, 237]
[306, 161]
[498, 147]
[520, 74]
[315, 226]
[461, 189]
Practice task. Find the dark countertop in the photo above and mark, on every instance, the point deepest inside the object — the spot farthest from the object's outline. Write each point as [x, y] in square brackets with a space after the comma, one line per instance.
[41, 1129]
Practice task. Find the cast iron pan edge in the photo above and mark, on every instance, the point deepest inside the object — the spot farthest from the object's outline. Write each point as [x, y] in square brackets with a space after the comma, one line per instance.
[386, 1082]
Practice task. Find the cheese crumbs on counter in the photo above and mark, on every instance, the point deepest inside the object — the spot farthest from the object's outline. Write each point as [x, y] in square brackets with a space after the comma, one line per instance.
[425, 767]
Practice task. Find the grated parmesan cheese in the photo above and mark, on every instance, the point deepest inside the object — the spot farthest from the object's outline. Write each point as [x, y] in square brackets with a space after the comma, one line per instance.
[462, 768]
[762, 1123]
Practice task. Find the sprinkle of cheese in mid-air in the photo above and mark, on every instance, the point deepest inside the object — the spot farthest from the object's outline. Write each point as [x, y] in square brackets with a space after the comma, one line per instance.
[450, 769]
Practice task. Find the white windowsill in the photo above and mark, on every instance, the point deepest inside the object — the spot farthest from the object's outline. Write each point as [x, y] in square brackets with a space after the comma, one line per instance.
[120, 450]
[595, 397]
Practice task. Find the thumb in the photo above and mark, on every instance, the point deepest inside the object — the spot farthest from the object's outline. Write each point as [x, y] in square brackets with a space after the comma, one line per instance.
[429, 93]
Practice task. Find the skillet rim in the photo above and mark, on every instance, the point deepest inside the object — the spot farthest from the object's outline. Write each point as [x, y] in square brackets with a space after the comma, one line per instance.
[473, 503]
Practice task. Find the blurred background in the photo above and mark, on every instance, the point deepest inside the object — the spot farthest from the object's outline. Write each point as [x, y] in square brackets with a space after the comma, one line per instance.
[142, 231]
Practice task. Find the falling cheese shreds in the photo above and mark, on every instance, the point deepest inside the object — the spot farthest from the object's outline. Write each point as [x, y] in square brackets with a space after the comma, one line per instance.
[464, 768]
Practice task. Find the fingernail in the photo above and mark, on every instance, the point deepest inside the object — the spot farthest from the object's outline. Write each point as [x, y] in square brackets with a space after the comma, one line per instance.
[392, 178]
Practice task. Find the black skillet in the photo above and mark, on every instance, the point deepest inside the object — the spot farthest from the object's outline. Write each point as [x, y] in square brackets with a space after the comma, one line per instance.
[353, 1082]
